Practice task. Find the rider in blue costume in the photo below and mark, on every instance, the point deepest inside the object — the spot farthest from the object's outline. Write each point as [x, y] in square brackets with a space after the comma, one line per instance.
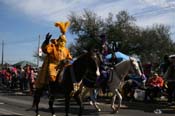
[107, 63]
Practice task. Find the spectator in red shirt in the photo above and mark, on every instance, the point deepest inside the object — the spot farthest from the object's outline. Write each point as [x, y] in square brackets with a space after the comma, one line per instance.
[154, 86]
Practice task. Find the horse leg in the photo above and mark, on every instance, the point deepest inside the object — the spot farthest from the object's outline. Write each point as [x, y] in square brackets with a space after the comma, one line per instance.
[120, 99]
[51, 101]
[93, 98]
[113, 102]
[85, 90]
[79, 102]
[36, 100]
[52, 91]
[67, 103]
[116, 93]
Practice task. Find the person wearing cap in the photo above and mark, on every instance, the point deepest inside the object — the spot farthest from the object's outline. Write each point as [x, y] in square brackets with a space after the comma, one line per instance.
[57, 57]
[154, 86]
[170, 80]
[165, 64]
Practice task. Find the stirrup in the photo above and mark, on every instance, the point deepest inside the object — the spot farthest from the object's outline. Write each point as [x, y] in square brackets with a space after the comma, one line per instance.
[76, 86]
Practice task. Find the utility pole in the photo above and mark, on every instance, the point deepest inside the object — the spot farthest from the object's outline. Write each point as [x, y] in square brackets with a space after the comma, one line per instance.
[38, 55]
[2, 62]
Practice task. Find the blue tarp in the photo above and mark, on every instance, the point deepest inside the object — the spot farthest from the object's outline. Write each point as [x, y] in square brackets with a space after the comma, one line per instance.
[24, 63]
[119, 55]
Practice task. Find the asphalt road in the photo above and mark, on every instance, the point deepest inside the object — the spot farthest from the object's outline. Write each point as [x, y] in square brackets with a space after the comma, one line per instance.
[16, 104]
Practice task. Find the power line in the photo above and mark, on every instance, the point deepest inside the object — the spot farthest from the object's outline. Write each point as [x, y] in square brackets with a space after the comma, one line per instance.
[152, 11]
[20, 42]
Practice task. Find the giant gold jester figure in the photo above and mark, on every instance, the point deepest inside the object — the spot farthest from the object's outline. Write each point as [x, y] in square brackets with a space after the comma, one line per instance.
[57, 57]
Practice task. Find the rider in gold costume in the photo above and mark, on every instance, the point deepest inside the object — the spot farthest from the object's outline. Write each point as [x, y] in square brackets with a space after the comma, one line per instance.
[57, 57]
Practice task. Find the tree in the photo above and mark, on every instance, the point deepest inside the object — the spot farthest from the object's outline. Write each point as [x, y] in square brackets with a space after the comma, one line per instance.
[87, 27]
[149, 43]
[157, 42]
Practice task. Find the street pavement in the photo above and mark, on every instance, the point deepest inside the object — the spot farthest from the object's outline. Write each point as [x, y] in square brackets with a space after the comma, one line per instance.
[19, 104]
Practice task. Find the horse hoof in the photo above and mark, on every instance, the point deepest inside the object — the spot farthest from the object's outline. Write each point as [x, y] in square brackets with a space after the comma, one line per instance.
[114, 111]
[38, 115]
[99, 110]
[113, 108]
[54, 115]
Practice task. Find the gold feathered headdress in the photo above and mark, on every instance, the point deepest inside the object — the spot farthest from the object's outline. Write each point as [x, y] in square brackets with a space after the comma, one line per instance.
[63, 28]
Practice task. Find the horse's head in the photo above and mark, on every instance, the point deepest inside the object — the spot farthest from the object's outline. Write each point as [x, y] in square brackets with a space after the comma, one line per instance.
[86, 67]
[135, 67]
[94, 61]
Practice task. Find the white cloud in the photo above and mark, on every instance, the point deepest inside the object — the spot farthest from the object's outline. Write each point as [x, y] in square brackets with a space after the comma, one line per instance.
[148, 11]
[50, 10]
[39, 8]
[45, 12]
[165, 18]
[60, 9]
[160, 3]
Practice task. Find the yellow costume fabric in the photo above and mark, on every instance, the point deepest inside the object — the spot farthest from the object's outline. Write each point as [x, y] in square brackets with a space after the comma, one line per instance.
[56, 53]
[55, 56]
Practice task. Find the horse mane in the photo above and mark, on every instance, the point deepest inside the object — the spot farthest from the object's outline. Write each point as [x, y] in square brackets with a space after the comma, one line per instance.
[123, 68]
[82, 65]
[120, 66]
[81, 55]
[118, 74]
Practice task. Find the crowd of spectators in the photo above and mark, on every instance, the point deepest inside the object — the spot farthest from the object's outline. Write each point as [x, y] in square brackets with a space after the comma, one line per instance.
[159, 82]
[19, 78]
[156, 83]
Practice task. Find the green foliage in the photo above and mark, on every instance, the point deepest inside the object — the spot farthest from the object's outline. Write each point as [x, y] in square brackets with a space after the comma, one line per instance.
[87, 27]
[149, 43]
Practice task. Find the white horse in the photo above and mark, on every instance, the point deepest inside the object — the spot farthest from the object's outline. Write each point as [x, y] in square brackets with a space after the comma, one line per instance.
[116, 78]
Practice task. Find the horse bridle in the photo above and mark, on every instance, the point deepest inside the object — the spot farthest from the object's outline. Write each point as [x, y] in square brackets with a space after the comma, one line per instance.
[95, 57]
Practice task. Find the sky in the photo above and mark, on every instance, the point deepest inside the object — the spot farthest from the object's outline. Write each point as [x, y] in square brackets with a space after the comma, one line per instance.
[23, 22]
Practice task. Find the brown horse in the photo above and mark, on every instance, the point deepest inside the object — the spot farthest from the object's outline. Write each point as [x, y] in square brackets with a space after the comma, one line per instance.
[85, 67]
